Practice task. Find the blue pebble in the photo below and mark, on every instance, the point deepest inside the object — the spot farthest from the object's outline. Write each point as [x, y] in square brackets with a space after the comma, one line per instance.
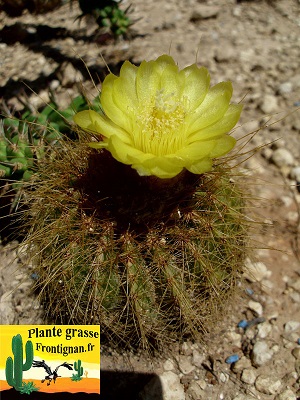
[297, 103]
[232, 359]
[249, 291]
[243, 324]
[34, 276]
[298, 341]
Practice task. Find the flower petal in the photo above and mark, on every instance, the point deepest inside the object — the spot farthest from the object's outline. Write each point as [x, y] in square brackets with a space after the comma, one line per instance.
[195, 85]
[196, 150]
[200, 167]
[163, 62]
[97, 123]
[223, 146]
[169, 82]
[224, 125]
[123, 152]
[124, 89]
[84, 120]
[212, 108]
[111, 109]
[162, 167]
[147, 81]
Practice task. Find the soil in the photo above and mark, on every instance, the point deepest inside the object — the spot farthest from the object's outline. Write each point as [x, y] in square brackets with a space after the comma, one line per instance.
[254, 44]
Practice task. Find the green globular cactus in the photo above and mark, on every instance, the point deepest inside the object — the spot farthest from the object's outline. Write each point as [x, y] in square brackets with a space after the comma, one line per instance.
[107, 15]
[15, 367]
[26, 141]
[79, 369]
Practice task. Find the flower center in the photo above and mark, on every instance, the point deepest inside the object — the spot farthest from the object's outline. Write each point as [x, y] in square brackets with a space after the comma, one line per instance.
[160, 122]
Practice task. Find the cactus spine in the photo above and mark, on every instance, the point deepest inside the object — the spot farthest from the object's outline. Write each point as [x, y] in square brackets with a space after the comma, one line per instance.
[14, 368]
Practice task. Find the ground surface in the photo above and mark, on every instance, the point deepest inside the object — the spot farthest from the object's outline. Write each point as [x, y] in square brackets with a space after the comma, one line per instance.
[256, 45]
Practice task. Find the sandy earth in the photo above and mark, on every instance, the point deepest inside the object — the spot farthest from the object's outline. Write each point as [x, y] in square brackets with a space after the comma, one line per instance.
[256, 45]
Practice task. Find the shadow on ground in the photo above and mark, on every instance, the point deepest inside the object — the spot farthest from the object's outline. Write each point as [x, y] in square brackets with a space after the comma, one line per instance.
[114, 386]
[130, 386]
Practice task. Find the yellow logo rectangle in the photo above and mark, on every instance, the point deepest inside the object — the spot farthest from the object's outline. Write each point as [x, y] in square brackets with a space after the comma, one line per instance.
[50, 358]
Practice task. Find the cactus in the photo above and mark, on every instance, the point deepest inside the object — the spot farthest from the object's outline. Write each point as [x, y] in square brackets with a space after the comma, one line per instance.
[28, 388]
[144, 234]
[147, 259]
[25, 142]
[79, 369]
[107, 15]
[14, 368]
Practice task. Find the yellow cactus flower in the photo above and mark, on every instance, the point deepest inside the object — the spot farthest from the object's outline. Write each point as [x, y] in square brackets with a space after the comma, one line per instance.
[160, 119]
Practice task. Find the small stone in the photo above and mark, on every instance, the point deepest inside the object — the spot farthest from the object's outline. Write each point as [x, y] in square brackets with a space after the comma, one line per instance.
[294, 284]
[289, 339]
[203, 11]
[185, 364]
[69, 75]
[296, 353]
[269, 104]
[261, 353]
[241, 364]
[186, 349]
[282, 157]
[6, 309]
[195, 391]
[223, 377]
[198, 358]
[285, 87]
[237, 11]
[287, 201]
[202, 383]
[267, 153]
[250, 334]
[54, 84]
[291, 326]
[266, 285]
[168, 387]
[267, 384]
[248, 376]
[256, 271]
[295, 296]
[168, 365]
[275, 349]
[287, 394]
[234, 338]
[290, 379]
[295, 173]
[256, 307]
[264, 330]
